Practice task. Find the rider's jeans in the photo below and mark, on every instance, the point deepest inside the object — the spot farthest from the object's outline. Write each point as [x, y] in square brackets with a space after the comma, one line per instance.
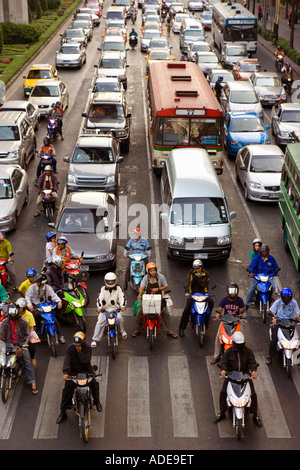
[251, 291]
[102, 322]
[28, 366]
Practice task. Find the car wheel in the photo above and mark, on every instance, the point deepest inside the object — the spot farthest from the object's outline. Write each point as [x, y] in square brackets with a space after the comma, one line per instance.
[246, 193]
[26, 197]
[15, 222]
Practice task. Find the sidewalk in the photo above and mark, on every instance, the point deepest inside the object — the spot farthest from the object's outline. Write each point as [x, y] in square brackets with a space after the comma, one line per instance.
[284, 32]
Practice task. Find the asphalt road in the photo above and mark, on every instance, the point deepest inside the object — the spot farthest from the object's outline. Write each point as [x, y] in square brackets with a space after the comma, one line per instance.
[163, 399]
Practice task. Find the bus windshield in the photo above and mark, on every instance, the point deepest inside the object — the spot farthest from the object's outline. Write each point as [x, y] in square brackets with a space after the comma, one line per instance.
[201, 211]
[171, 131]
[240, 32]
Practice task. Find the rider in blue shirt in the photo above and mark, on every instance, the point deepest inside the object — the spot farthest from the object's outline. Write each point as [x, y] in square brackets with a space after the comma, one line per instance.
[136, 245]
[262, 263]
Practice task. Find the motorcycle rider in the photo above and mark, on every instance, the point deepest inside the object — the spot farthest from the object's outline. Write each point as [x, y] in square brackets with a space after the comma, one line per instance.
[56, 114]
[77, 360]
[46, 149]
[55, 274]
[7, 253]
[110, 299]
[240, 358]
[14, 330]
[30, 274]
[286, 72]
[136, 245]
[219, 87]
[4, 298]
[285, 307]
[262, 263]
[40, 292]
[153, 283]
[27, 315]
[133, 36]
[197, 281]
[232, 304]
[64, 250]
[51, 243]
[256, 247]
[279, 52]
[46, 181]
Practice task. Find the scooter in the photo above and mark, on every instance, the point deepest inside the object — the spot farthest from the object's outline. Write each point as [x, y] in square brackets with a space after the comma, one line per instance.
[48, 325]
[287, 83]
[45, 159]
[48, 204]
[11, 367]
[137, 270]
[200, 312]
[151, 305]
[238, 399]
[73, 303]
[263, 294]
[133, 42]
[279, 63]
[80, 275]
[230, 324]
[112, 332]
[288, 341]
[82, 401]
[52, 128]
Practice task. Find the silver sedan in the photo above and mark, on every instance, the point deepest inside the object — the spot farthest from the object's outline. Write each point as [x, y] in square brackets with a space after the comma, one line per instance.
[70, 55]
[13, 195]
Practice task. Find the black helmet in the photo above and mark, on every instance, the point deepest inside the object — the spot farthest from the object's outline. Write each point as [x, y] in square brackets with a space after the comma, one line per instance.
[78, 338]
[46, 140]
[232, 289]
[39, 277]
[13, 311]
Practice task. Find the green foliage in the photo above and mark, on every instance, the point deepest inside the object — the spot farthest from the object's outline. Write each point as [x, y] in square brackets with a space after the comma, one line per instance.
[1, 39]
[53, 4]
[20, 33]
[285, 45]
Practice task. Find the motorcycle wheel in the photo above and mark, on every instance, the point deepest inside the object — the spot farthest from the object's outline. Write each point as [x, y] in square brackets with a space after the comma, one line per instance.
[84, 424]
[52, 340]
[264, 309]
[113, 347]
[288, 367]
[80, 322]
[201, 334]
[5, 388]
[151, 339]
[239, 428]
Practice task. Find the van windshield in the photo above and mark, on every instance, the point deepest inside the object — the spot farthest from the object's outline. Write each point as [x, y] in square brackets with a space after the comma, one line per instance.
[199, 211]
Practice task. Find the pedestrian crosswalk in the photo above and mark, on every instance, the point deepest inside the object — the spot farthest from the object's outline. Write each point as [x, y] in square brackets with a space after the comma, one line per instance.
[181, 391]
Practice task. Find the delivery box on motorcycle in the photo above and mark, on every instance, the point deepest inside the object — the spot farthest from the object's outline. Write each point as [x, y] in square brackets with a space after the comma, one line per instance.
[151, 303]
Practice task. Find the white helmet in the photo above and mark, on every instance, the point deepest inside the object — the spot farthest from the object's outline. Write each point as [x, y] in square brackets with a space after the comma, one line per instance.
[238, 338]
[197, 263]
[21, 302]
[110, 279]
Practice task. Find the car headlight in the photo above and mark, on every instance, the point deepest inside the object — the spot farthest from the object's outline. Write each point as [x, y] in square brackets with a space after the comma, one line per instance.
[5, 219]
[236, 143]
[224, 240]
[71, 179]
[284, 133]
[111, 179]
[121, 133]
[255, 185]
[13, 154]
[175, 241]
[267, 141]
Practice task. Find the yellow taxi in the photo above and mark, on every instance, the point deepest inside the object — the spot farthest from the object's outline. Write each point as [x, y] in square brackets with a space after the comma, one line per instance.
[155, 55]
[39, 72]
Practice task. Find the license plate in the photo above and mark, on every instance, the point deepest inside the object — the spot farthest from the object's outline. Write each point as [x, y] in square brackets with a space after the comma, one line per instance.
[273, 196]
[84, 267]
[201, 256]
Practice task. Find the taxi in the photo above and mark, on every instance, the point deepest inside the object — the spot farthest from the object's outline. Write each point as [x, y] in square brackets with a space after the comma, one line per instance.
[155, 55]
[38, 72]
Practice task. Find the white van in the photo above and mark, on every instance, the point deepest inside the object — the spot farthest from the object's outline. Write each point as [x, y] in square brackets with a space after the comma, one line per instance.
[115, 13]
[196, 223]
[240, 97]
[191, 30]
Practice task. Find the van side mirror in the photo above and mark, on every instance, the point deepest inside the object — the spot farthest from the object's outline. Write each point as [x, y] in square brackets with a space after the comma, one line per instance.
[232, 215]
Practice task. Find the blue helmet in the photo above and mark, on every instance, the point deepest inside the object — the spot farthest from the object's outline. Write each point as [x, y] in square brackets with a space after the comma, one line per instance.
[49, 235]
[30, 272]
[286, 295]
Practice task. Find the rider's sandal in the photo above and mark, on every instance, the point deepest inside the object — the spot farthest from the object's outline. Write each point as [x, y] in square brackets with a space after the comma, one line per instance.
[34, 391]
[173, 335]
[135, 333]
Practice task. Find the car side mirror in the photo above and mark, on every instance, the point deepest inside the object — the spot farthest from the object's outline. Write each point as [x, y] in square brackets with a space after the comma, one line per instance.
[66, 159]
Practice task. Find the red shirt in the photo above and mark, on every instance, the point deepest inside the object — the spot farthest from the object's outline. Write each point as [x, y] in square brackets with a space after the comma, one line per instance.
[13, 329]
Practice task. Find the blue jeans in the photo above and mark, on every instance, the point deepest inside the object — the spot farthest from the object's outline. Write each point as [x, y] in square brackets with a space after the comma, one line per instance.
[28, 366]
[251, 291]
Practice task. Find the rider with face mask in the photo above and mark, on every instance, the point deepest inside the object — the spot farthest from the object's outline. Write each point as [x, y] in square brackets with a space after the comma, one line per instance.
[285, 307]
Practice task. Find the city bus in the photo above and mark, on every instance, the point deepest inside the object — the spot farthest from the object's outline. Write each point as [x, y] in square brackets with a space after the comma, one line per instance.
[232, 23]
[289, 201]
[183, 112]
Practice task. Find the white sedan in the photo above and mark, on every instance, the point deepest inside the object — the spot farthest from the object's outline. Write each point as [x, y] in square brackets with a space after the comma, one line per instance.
[47, 92]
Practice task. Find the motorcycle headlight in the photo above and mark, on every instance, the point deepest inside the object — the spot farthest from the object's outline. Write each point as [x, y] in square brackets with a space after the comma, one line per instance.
[77, 304]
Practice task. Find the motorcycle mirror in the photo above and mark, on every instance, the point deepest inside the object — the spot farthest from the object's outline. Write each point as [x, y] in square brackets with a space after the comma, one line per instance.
[49, 298]
[95, 368]
[51, 224]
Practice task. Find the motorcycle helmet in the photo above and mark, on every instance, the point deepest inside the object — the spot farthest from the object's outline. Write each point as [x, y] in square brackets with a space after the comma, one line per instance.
[48, 168]
[78, 338]
[150, 266]
[110, 279]
[46, 141]
[257, 240]
[197, 263]
[13, 311]
[286, 295]
[288, 64]
[58, 261]
[279, 48]
[137, 233]
[220, 78]
[40, 277]
[238, 339]
[62, 241]
[49, 235]
[21, 302]
[264, 247]
[31, 272]
[232, 290]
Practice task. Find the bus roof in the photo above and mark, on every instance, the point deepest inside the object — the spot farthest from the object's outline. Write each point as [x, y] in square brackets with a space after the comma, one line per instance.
[233, 10]
[181, 86]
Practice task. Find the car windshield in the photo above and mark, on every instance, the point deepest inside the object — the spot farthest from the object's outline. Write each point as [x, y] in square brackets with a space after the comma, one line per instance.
[160, 55]
[39, 74]
[248, 67]
[74, 33]
[151, 34]
[105, 111]
[246, 125]
[266, 164]
[207, 16]
[114, 15]
[70, 50]
[109, 86]
[236, 51]
[201, 211]
[158, 43]
[9, 133]
[5, 189]
[125, 3]
[243, 97]
[290, 116]
[227, 77]
[116, 63]
[154, 26]
[93, 155]
[44, 90]
[114, 46]
[81, 24]
[212, 59]
[268, 81]
[205, 47]
[194, 33]
[85, 221]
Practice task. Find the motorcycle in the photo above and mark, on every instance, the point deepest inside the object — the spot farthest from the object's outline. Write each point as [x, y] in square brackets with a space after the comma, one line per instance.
[279, 63]
[230, 324]
[163, 15]
[3, 310]
[4, 277]
[151, 305]
[263, 294]
[200, 312]
[133, 17]
[48, 325]
[45, 159]
[48, 204]
[11, 367]
[82, 401]
[52, 128]
[137, 270]
[287, 83]
[112, 332]
[238, 399]
[73, 302]
[133, 42]
[80, 276]
[288, 341]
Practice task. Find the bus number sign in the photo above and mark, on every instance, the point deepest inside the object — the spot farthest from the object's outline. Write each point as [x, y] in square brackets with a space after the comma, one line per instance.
[190, 112]
[237, 21]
